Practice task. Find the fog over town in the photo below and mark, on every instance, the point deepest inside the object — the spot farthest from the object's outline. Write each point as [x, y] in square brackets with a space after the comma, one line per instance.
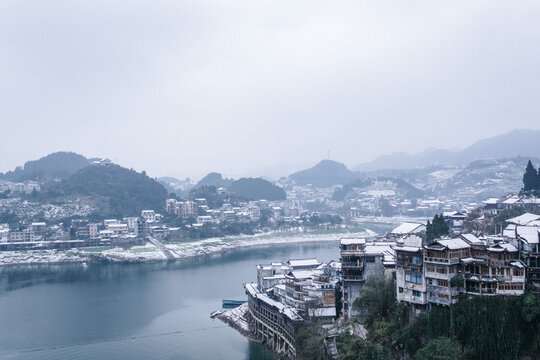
[262, 180]
[262, 88]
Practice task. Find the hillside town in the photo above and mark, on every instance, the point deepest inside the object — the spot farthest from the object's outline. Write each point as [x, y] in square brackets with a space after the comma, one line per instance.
[289, 295]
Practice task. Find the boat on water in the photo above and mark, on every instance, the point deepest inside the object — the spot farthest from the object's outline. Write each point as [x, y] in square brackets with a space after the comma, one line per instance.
[231, 304]
[216, 313]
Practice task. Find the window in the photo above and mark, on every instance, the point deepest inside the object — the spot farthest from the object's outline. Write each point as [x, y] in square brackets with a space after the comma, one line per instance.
[416, 293]
[400, 290]
[417, 260]
[370, 259]
[443, 283]
[413, 277]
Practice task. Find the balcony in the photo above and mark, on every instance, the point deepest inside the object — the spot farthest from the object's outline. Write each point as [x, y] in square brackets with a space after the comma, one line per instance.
[435, 260]
[352, 264]
[353, 278]
[352, 252]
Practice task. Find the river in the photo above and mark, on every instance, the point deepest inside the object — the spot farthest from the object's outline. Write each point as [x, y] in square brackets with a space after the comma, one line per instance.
[134, 311]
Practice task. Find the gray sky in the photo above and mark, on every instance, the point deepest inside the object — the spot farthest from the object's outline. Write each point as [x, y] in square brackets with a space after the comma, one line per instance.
[182, 88]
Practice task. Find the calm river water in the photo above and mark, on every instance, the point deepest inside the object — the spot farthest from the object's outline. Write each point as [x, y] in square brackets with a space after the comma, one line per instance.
[139, 311]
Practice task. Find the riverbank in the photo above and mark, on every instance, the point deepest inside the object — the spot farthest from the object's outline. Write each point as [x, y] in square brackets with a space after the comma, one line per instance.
[150, 253]
[236, 318]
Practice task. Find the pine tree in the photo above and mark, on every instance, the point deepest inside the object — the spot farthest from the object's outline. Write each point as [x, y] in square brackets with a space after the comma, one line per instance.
[437, 228]
[530, 178]
[429, 233]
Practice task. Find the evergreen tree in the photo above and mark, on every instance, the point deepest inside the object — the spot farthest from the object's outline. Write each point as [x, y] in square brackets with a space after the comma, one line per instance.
[530, 178]
[429, 233]
[437, 228]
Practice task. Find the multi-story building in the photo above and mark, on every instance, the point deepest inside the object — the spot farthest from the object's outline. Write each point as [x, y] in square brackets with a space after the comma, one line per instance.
[359, 260]
[93, 231]
[271, 322]
[38, 227]
[410, 279]
[442, 262]
[493, 270]
[26, 235]
[286, 295]
[524, 232]
[148, 215]
[352, 267]
[131, 223]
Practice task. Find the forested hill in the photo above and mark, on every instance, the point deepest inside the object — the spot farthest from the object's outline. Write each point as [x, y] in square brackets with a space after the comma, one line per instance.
[325, 174]
[128, 192]
[256, 189]
[58, 165]
[214, 179]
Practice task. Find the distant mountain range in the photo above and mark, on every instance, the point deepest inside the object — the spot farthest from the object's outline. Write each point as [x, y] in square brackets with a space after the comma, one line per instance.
[516, 143]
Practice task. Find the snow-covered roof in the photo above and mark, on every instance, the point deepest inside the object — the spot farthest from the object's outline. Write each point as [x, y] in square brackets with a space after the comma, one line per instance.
[528, 233]
[518, 264]
[510, 231]
[383, 248]
[453, 244]
[304, 263]
[471, 239]
[302, 274]
[524, 219]
[407, 248]
[511, 200]
[288, 311]
[408, 228]
[454, 214]
[491, 201]
[502, 247]
[351, 241]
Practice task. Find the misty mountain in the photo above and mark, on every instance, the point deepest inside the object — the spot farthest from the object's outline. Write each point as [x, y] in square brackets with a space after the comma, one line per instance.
[398, 185]
[177, 186]
[127, 191]
[58, 165]
[214, 179]
[257, 189]
[513, 144]
[246, 188]
[484, 178]
[325, 174]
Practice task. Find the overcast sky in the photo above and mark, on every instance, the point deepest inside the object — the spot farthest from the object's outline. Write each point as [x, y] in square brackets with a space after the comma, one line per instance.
[182, 88]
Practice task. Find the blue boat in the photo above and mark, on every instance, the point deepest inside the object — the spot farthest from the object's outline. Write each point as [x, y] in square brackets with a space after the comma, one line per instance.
[231, 304]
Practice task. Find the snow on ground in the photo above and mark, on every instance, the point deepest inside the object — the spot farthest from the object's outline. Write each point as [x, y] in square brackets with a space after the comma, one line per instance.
[149, 253]
[236, 318]
[212, 246]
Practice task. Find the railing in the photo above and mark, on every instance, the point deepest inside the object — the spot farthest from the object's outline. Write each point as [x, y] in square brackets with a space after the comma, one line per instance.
[450, 261]
[353, 277]
[352, 264]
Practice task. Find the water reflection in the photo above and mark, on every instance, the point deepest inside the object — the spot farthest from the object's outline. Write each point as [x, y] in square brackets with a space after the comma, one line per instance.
[134, 311]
